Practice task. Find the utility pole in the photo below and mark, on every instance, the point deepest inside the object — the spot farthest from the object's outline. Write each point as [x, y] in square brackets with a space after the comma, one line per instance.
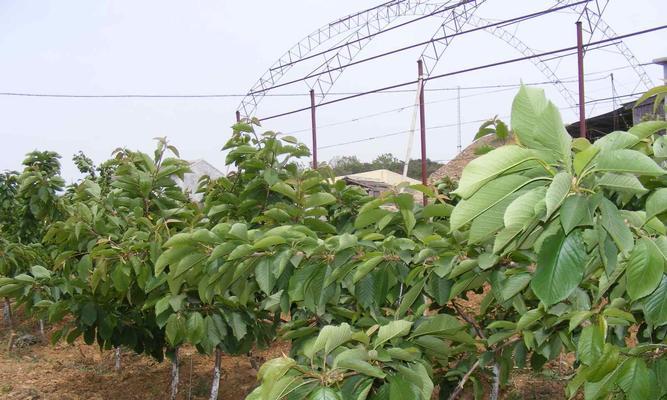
[313, 124]
[582, 99]
[458, 124]
[422, 122]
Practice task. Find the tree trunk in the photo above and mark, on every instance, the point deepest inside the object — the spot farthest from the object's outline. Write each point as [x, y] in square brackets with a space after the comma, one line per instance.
[215, 385]
[495, 389]
[117, 359]
[7, 314]
[175, 367]
[41, 328]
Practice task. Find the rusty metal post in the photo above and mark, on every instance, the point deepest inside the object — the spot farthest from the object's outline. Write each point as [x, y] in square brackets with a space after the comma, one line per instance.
[238, 116]
[313, 126]
[580, 62]
[422, 122]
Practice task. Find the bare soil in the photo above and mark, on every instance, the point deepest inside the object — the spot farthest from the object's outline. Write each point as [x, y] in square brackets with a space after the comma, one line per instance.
[78, 371]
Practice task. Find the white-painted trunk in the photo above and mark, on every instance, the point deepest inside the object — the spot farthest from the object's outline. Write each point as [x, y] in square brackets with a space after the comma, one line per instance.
[7, 314]
[215, 385]
[117, 359]
[41, 328]
[175, 367]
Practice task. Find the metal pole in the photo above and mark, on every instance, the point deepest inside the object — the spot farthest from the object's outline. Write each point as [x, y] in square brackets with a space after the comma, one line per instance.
[238, 116]
[613, 103]
[422, 122]
[582, 100]
[313, 126]
[458, 110]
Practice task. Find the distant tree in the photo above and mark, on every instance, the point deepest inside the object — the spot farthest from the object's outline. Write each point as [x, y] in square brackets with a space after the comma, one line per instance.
[345, 165]
[388, 161]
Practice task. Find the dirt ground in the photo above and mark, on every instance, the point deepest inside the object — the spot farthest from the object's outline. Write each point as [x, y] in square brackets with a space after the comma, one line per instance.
[78, 371]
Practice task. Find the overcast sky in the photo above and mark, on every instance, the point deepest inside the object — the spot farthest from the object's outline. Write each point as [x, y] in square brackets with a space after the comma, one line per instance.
[223, 47]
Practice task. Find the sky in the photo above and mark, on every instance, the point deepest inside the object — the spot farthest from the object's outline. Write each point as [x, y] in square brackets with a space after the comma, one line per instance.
[169, 47]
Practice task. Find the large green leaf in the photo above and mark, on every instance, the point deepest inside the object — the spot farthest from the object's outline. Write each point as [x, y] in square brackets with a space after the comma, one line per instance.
[656, 203]
[325, 393]
[575, 212]
[319, 199]
[644, 269]
[623, 183]
[614, 225]
[522, 209]
[491, 194]
[634, 379]
[616, 140]
[489, 166]
[393, 329]
[331, 337]
[629, 161]
[655, 305]
[537, 124]
[645, 129]
[557, 191]
[437, 325]
[560, 267]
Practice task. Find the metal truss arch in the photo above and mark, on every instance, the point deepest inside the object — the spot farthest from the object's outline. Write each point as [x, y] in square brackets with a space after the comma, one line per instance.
[362, 27]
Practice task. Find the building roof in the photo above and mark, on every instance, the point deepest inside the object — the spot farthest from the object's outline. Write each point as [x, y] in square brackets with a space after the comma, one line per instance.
[198, 168]
[381, 176]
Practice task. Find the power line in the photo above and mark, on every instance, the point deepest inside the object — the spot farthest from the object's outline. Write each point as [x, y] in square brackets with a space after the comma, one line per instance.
[477, 68]
[397, 133]
[495, 24]
[224, 95]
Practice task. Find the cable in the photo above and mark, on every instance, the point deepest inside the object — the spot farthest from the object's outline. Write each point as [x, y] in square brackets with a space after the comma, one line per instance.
[371, 138]
[223, 95]
[495, 24]
[485, 66]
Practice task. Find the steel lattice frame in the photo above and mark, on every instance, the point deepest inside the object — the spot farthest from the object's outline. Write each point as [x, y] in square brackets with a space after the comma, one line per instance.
[362, 27]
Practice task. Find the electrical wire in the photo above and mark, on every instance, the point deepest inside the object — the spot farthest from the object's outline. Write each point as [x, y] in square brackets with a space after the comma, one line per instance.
[471, 69]
[429, 128]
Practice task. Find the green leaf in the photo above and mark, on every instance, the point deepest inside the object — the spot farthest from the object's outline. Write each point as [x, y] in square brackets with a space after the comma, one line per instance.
[655, 305]
[537, 124]
[325, 393]
[656, 203]
[528, 318]
[437, 325]
[239, 327]
[514, 284]
[319, 199]
[614, 225]
[583, 159]
[393, 329]
[369, 217]
[366, 267]
[269, 241]
[574, 212]
[240, 252]
[591, 343]
[522, 210]
[633, 379]
[644, 269]
[489, 166]
[264, 275]
[284, 189]
[88, 314]
[485, 198]
[623, 183]
[410, 297]
[275, 369]
[557, 191]
[401, 389]
[361, 366]
[615, 141]
[40, 272]
[437, 210]
[195, 328]
[330, 337]
[560, 267]
[645, 129]
[629, 161]
[175, 329]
